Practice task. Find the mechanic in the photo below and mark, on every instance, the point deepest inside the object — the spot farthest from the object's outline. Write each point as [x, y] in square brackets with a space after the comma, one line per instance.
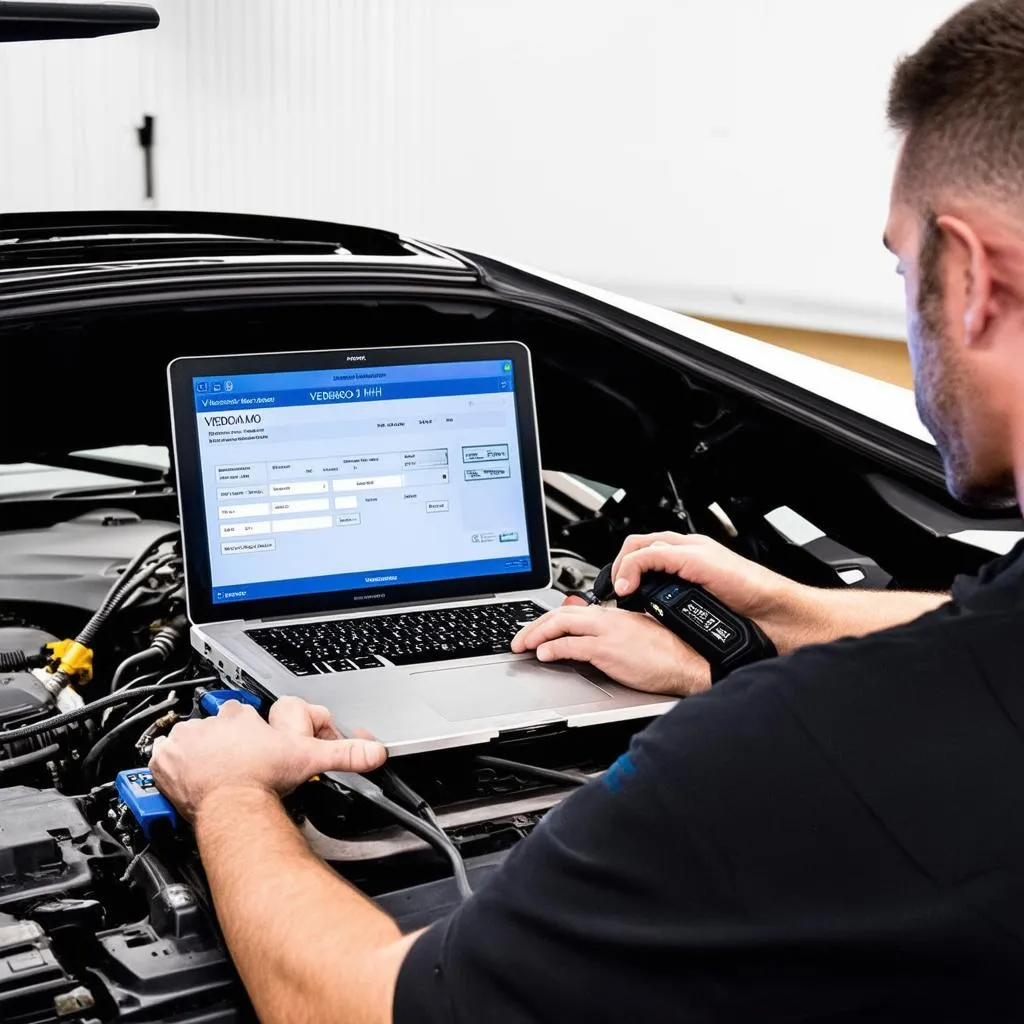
[834, 834]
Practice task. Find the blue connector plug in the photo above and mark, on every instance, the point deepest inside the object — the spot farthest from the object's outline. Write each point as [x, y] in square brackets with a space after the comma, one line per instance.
[213, 700]
[147, 805]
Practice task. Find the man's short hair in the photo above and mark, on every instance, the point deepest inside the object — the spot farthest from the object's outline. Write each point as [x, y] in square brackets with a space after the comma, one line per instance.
[959, 103]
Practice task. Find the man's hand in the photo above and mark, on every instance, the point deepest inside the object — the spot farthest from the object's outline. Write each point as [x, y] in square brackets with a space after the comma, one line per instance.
[238, 750]
[629, 647]
[636, 651]
[296, 716]
[780, 606]
[791, 613]
[226, 774]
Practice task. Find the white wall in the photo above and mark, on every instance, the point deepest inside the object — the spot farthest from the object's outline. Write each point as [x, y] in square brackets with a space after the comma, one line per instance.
[727, 157]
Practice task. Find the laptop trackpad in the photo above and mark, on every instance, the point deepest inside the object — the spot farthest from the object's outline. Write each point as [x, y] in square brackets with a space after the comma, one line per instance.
[460, 694]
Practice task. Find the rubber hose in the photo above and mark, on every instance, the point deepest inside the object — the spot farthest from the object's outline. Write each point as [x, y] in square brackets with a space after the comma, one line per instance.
[14, 661]
[111, 700]
[32, 757]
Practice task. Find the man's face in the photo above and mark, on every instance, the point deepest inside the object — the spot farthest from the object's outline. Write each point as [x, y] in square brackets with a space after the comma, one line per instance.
[953, 399]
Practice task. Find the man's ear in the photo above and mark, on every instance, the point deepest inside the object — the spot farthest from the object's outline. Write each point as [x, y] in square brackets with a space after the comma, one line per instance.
[971, 259]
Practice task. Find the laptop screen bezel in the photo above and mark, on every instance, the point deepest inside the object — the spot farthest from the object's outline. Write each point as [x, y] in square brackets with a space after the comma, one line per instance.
[195, 538]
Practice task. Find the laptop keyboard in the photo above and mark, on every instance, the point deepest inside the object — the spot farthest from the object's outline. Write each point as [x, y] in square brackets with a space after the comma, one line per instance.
[408, 638]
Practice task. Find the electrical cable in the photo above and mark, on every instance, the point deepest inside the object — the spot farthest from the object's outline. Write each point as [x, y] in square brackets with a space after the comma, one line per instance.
[88, 710]
[404, 793]
[149, 735]
[407, 795]
[100, 616]
[544, 774]
[144, 679]
[427, 814]
[110, 716]
[90, 766]
[138, 681]
[400, 790]
[72, 659]
[134, 592]
[131, 661]
[162, 646]
[134, 587]
[434, 835]
[174, 674]
[139, 569]
[75, 656]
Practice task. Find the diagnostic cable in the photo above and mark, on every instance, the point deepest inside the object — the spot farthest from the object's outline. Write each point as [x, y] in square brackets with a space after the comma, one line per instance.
[429, 830]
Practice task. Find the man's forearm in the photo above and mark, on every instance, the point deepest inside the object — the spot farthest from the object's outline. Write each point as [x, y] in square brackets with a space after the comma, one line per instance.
[308, 947]
[817, 615]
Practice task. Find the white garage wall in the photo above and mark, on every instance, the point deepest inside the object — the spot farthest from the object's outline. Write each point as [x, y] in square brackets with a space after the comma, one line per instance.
[67, 116]
[727, 157]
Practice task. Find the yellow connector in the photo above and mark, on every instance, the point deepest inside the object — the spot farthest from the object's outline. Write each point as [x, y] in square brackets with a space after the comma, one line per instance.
[71, 658]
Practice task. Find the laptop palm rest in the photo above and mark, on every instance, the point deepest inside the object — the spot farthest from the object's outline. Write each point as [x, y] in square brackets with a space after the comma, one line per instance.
[462, 694]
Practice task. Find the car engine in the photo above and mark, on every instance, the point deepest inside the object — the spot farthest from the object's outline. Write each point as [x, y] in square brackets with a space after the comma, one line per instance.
[103, 915]
[93, 926]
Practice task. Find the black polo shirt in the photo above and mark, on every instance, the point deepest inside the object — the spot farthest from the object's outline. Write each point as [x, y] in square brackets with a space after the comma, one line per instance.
[835, 835]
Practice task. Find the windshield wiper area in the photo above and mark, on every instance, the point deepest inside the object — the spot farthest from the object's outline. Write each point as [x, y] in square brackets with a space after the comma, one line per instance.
[73, 237]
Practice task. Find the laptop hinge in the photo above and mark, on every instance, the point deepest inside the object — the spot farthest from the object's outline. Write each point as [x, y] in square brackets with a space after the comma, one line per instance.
[447, 602]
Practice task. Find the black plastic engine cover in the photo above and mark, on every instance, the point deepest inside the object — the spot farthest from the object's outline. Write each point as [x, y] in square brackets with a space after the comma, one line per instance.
[72, 565]
[154, 977]
[34, 987]
[23, 698]
[153, 969]
[171, 965]
[47, 847]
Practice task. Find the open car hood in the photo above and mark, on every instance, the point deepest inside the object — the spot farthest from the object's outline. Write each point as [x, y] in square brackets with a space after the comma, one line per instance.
[95, 305]
[21, 20]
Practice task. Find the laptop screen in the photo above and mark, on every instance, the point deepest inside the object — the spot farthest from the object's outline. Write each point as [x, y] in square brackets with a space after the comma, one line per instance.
[333, 480]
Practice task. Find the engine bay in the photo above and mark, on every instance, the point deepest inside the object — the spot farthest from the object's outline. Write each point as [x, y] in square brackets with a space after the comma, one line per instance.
[103, 918]
[100, 921]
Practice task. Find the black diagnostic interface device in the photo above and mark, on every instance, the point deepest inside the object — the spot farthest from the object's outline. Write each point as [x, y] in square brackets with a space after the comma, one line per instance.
[720, 636]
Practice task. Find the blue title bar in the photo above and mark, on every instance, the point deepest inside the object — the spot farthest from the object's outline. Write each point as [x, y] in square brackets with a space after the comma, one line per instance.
[323, 380]
[368, 580]
[349, 394]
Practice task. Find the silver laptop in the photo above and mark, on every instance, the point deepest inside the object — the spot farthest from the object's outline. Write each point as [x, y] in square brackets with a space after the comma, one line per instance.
[366, 530]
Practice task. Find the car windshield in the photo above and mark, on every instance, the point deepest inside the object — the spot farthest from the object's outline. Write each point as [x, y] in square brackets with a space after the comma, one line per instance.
[96, 467]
